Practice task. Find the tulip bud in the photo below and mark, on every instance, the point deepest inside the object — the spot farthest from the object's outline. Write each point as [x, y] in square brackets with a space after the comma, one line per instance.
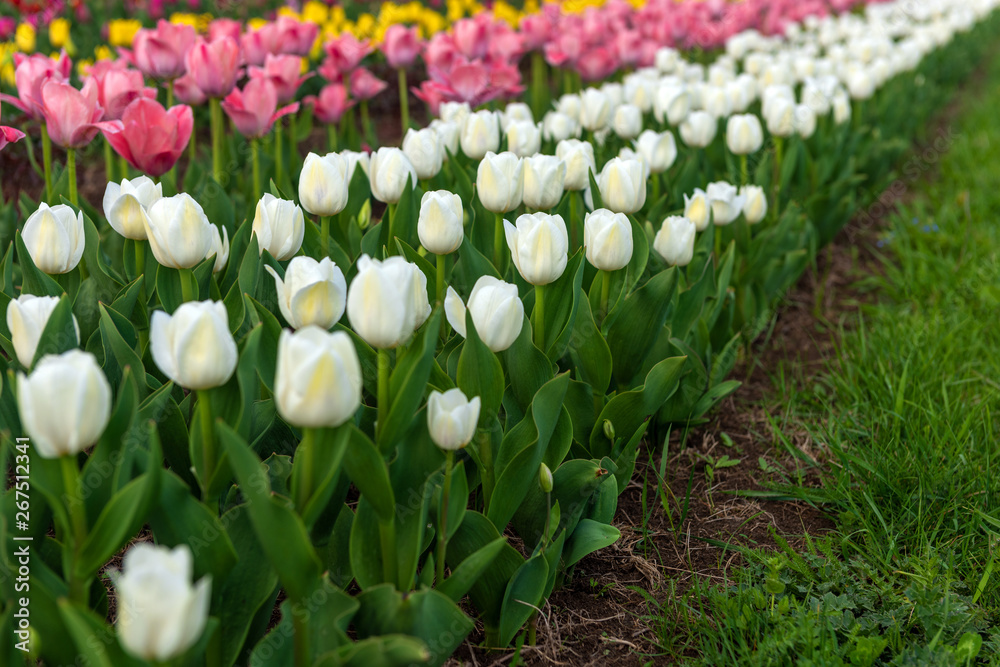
[500, 182]
[628, 154]
[780, 117]
[452, 418]
[545, 478]
[658, 149]
[615, 92]
[539, 247]
[193, 347]
[440, 224]
[524, 138]
[65, 403]
[160, 614]
[698, 209]
[805, 121]
[323, 184]
[544, 176]
[623, 185]
[312, 293]
[627, 121]
[727, 203]
[672, 104]
[755, 204]
[125, 205]
[841, 108]
[557, 126]
[357, 159]
[425, 151]
[279, 227]
[666, 59]
[516, 112]
[640, 92]
[454, 112]
[744, 134]
[579, 159]
[699, 129]
[480, 134]
[675, 241]
[390, 170]
[607, 238]
[317, 379]
[609, 430]
[715, 101]
[447, 133]
[27, 316]
[595, 109]
[220, 248]
[570, 105]
[180, 234]
[860, 84]
[497, 312]
[387, 301]
[55, 238]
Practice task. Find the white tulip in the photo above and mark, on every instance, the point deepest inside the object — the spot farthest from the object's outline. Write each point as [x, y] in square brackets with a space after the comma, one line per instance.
[727, 203]
[841, 108]
[744, 134]
[354, 160]
[672, 103]
[623, 185]
[497, 312]
[595, 109]
[516, 112]
[55, 238]
[755, 203]
[480, 134]
[193, 347]
[658, 149]
[500, 182]
[615, 92]
[440, 223]
[780, 117]
[390, 171]
[539, 247]
[524, 138]
[666, 59]
[160, 613]
[447, 132]
[716, 101]
[570, 104]
[454, 112]
[675, 240]
[579, 158]
[425, 151]
[387, 301]
[279, 227]
[698, 209]
[557, 126]
[27, 316]
[220, 248]
[627, 121]
[180, 234]
[125, 205]
[699, 129]
[860, 84]
[607, 238]
[640, 91]
[317, 379]
[64, 404]
[544, 176]
[452, 418]
[805, 121]
[311, 293]
[323, 183]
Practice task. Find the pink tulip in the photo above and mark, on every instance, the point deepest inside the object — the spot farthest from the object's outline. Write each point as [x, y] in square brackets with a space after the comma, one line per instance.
[254, 109]
[365, 85]
[71, 115]
[331, 103]
[188, 92]
[7, 27]
[401, 46]
[433, 94]
[160, 53]
[223, 27]
[214, 66]
[505, 44]
[295, 37]
[283, 73]
[596, 63]
[9, 135]
[536, 29]
[32, 73]
[469, 82]
[345, 53]
[470, 37]
[257, 44]
[150, 138]
[117, 88]
[441, 52]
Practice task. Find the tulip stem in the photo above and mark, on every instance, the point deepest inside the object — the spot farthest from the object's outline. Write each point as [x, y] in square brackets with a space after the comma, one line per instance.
[538, 81]
[387, 538]
[123, 167]
[300, 625]
[207, 443]
[573, 222]
[324, 234]
[366, 125]
[778, 151]
[255, 157]
[331, 137]
[449, 462]
[605, 293]
[188, 285]
[71, 168]
[78, 522]
[498, 235]
[303, 483]
[140, 268]
[540, 317]
[216, 118]
[170, 94]
[293, 145]
[109, 164]
[404, 102]
[744, 171]
[279, 150]
[47, 163]
[486, 459]
[440, 277]
[383, 394]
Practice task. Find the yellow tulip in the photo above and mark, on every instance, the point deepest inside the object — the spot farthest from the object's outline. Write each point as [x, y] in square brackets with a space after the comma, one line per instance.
[24, 37]
[59, 33]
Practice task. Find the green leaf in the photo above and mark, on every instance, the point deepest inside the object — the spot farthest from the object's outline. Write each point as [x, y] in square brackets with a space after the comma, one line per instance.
[562, 299]
[523, 597]
[479, 372]
[408, 382]
[468, 572]
[59, 334]
[640, 318]
[527, 368]
[588, 537]
[33, 281]
[589, 350]
[487, 593]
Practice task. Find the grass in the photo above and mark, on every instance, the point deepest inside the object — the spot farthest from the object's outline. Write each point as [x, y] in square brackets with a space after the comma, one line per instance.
[907, 412]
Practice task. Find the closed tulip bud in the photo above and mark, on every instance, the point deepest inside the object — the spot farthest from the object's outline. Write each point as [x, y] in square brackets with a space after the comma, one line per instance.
[739, 99]
[180, 234]
[627, 154]
[615, 92]
[698, 209]
[627, 121]
[698, 131]
[454, 112]
[447, 133]
[579, 158]
[220, 248]
[557, 126]
[452, 418]
[609, 430]
[744, 134]
[425, 150]
[666, 59]
[545, 479]
[607, 238]
[390, 171]
[544, 176]
[841, 108]
[193, 347]
[805, 121]
[570, 105]
[672, 104]
[524, 138]
[772, 94]
[500, 182]
[323, 184]
[860, 84]
[65, 403]
[55, 238]
[780, 117]
[480, 134]
[311, 293]
[658, 149]
[539, 247]
[640, 91]
[317, 379]
[279, 227]
[497, 312]
[623, 185]
[125, 205]
[357, 159]
[675, 240]
[755, 203]
[27, 316]
[715, 100]
[440, 224]
[516, 112]
[387, 301]
[815, 97]
[160, 613]
[727, 203]
[595, 109]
